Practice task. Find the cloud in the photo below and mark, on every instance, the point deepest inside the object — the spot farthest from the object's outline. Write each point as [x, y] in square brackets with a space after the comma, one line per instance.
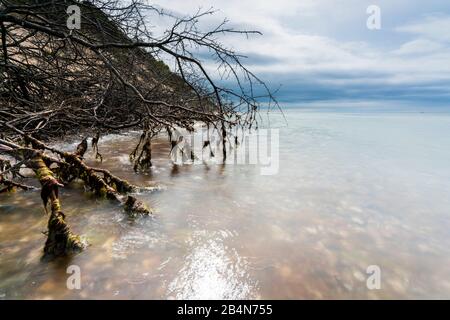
[419, 46]
[434, 27]
[317, 50]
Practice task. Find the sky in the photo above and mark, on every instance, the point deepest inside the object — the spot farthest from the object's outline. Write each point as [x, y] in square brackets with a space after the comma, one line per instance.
[322, 50]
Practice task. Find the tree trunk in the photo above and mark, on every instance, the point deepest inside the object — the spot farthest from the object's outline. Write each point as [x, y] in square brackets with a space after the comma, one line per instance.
[60, 240]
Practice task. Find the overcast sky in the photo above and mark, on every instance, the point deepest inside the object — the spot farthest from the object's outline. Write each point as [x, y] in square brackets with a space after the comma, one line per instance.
[322, 49]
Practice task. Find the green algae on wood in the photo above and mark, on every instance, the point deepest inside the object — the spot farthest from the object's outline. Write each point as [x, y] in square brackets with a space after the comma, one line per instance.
[60, 240]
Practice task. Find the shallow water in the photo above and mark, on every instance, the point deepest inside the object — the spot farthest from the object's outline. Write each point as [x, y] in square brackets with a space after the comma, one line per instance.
[353, 190]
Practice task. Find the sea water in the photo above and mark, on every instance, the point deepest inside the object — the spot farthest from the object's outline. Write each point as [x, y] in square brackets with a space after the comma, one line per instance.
[354, 189]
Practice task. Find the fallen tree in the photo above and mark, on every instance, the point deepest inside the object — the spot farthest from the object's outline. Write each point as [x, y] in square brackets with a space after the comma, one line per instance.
[60, 240]
[108, 76]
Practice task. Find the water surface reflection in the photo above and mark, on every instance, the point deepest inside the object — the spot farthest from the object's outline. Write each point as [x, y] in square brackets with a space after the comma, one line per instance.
[352, 191]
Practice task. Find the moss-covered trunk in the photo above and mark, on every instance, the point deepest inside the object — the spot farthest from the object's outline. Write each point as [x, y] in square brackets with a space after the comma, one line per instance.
[60, 240]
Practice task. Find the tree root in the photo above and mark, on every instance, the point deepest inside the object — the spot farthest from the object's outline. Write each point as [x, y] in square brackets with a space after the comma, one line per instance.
[144, 160]
[60, 240]
[135, 207]
[94, 142]
[82, 148]
[109, 186]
